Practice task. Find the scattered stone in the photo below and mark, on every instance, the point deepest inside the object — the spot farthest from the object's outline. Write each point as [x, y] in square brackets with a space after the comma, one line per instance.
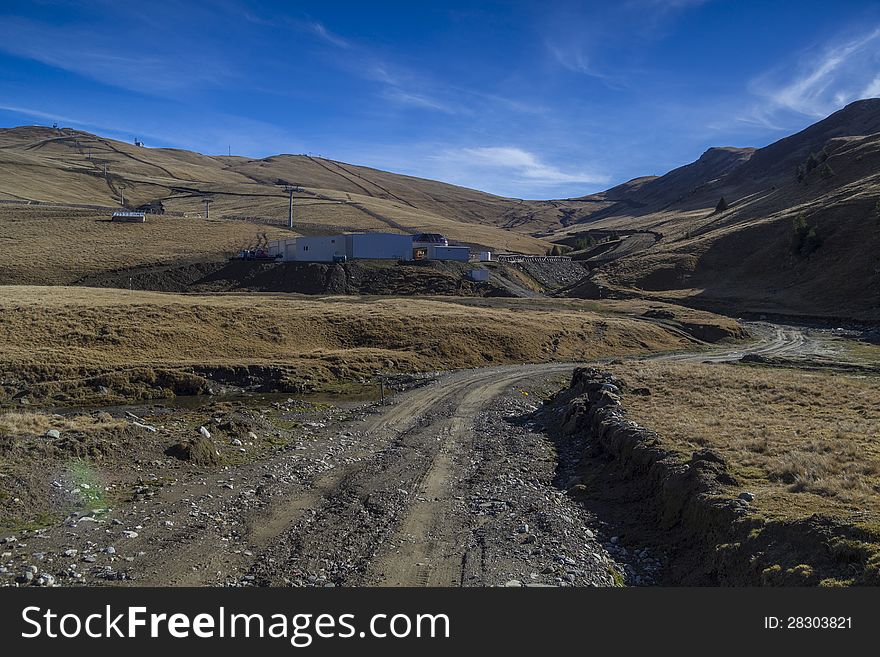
[53, 434]
[46, 580]
[747, 497]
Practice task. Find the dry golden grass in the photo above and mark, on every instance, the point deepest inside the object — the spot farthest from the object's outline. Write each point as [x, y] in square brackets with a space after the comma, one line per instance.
[41, 164]
[803, 442]
[864, 352]
[98, 326]
[61, 338]
[26, 423]
[55, 246]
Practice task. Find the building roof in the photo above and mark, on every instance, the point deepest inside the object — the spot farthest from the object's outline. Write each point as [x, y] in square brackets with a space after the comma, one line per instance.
[429, 238]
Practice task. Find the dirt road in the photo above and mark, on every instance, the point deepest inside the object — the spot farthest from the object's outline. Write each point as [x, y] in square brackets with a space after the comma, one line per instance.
[447, 485]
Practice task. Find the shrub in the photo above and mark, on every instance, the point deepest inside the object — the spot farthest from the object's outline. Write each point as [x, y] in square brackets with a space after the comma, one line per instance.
[805, 239]
[722, 205]
[588, 242]
[812, 162]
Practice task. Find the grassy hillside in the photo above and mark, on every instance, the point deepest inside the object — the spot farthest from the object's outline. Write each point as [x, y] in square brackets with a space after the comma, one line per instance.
[58, 246]
[799, 236]
[73, 167]
[75, 344]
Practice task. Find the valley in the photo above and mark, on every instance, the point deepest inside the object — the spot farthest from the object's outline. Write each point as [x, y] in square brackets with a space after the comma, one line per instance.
[684, 392]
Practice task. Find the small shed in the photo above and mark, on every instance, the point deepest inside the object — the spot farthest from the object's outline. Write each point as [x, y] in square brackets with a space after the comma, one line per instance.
[479, 275]
[459, 253]
[126, 217]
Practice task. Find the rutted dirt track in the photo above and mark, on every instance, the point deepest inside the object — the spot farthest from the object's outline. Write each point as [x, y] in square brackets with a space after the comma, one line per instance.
[447, 485]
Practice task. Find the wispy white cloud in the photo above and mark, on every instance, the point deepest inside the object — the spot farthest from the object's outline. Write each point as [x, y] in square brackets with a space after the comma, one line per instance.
[571, 57]
[102, 56]
[578, 39]
[522, 163]
[209, 133]
[823, 80]
[39, 114]
[507, 170]
[872, 89]
[419, 100]
[328, 36]
[666, 5]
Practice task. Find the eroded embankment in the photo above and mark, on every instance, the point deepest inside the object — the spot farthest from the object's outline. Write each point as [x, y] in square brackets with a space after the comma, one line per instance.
[711, 537]
[358, 277]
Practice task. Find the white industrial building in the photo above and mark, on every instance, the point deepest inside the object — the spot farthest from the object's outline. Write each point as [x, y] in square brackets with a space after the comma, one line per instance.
[363, 246]
[440, 252]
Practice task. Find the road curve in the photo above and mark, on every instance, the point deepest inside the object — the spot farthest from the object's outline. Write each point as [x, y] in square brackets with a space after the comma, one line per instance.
[429, 435]
[441, 487]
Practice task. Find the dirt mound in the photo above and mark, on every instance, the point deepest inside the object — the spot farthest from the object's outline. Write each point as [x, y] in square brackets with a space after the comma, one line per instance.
[199, 451]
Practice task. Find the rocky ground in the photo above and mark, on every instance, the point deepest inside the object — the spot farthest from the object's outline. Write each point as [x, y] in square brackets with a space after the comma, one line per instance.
[454, 483]
[363, 495]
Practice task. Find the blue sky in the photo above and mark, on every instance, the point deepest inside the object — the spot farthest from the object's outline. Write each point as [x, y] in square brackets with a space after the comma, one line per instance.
[526, 99]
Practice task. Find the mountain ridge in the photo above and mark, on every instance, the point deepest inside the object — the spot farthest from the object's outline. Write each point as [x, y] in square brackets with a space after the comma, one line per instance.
[673, 237]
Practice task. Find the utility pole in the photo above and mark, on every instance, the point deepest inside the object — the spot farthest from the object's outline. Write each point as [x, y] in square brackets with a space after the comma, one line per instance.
[290, 189]
[122, 193]
[208, 201]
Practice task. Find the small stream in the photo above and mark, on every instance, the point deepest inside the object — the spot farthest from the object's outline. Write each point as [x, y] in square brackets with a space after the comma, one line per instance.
[367, 393]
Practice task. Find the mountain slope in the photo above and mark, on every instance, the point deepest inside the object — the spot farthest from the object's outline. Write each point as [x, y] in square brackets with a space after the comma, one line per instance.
[751, 257]
[75, 167]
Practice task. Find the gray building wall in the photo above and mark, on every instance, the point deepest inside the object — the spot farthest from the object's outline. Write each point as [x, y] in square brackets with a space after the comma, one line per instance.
[460, 253]
[379, 246]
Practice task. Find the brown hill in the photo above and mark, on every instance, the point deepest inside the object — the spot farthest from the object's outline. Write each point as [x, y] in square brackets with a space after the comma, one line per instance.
[753, 256]
[73, 167]
[659, 236]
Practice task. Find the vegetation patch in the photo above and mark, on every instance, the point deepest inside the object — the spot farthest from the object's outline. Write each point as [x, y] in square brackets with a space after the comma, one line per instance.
[718, 532]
